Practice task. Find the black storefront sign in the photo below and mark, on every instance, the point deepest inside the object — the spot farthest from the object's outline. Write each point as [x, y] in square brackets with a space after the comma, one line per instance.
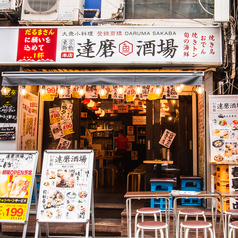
[8, 106]
[7, 133]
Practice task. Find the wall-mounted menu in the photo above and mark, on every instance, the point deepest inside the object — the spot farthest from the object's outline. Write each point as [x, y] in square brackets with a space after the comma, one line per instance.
[65, 191]
[223, 117]
[17, 174]
[8, 106]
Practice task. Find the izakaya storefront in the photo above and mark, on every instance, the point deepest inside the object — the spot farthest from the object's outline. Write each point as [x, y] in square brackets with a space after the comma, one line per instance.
[55, 113]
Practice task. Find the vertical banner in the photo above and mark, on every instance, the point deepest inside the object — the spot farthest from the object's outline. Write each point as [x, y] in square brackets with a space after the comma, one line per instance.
[17, 174]
[28, 122]
[66, 183]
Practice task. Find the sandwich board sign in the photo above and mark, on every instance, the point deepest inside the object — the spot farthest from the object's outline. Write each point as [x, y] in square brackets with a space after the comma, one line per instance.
[66, 187]
[17, 175]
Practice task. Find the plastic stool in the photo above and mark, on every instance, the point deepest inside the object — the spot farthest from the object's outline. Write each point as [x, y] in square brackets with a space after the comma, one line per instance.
[191, 183]
[146, 211]
[189, 212]
[195, 225]
[153, 225]
[161, 184]
[233, 226]
[228, 213]
[138, 174]
[108, 168]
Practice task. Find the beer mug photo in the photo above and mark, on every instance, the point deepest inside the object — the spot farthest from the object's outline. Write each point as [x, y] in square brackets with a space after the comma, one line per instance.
[3, 185]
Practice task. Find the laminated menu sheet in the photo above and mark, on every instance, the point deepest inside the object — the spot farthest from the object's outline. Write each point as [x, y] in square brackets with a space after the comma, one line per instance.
[17, 174]
[66, 184]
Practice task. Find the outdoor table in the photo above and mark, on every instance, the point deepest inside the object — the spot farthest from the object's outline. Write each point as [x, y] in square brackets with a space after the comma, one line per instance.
[225, 195]
[193, 194]
[145, 195]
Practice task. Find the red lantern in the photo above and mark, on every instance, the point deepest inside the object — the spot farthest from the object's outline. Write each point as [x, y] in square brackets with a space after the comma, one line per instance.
[86, 101]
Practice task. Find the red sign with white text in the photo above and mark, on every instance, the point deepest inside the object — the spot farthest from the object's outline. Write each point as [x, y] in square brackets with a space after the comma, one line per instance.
[37, 45]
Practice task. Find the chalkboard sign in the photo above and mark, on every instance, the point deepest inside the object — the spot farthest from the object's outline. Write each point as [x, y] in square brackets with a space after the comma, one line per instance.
[8, 106]
[7, 133]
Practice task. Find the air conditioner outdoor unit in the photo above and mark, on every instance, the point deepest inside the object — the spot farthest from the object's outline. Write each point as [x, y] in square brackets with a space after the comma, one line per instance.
[51, 11]
[8, 4]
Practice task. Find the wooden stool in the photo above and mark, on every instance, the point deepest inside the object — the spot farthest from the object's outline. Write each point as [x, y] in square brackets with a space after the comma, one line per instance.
[195, 225]
[138, 174]
[153, 225]
[146, 211]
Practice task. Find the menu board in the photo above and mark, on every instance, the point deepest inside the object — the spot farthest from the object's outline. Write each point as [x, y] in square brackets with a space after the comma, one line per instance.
[223, 117]
[17, 174]
[66, 183]
[8, 106]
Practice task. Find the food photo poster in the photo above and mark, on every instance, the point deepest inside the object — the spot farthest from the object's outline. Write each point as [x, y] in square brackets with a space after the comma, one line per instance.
[65, 192]
[223, 118]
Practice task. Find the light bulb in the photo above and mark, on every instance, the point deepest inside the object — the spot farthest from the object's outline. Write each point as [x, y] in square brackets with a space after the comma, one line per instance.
[5, 90]
[158, 89]
[23, 91]
[42, 91]
[200, 89]
[81, 91]
[120, 90]
[138, 89]
[170, 118]
[103, 91]
[178, 88]
[61, 90]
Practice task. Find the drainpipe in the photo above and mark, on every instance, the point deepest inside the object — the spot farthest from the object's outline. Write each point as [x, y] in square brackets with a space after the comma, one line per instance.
[232, 42]
[120, 10]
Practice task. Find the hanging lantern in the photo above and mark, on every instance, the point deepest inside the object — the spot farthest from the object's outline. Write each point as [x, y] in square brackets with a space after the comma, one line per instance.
[5, 90]
[86, 101]
[23, 91]
[200, 89]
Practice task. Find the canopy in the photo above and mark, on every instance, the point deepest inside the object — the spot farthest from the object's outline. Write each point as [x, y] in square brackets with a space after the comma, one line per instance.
[16, 78]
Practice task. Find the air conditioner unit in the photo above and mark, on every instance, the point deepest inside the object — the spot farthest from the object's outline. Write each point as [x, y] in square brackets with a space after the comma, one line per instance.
[51, 11]
[8, 4]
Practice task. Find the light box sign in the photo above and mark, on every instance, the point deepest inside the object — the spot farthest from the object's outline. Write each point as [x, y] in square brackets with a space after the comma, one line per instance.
[37, 45]
[120, 45]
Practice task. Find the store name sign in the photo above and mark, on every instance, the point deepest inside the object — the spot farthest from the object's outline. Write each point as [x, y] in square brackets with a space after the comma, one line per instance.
[118, 45]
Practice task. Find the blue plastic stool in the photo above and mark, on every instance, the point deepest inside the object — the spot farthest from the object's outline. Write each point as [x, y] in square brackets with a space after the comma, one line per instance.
[161, 184]
[191, 183]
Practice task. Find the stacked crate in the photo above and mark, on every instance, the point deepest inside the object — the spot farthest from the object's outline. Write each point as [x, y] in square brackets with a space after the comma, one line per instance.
[161, 184]
[191, 183]
[222, 184]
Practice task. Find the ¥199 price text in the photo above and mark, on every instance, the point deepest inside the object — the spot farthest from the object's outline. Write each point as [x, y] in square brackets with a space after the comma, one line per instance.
[14, 212]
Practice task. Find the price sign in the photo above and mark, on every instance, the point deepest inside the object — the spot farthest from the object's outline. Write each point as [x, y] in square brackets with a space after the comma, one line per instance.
[17, 173]
[13, 212]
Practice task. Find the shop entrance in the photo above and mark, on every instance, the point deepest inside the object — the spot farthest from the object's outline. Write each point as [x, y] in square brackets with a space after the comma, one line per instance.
[143, 122]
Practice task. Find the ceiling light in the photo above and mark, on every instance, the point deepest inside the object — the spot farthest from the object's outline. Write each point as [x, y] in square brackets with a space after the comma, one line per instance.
[5, 90]
[23, 91]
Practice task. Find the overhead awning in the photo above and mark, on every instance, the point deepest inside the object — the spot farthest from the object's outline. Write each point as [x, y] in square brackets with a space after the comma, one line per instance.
[16, 78]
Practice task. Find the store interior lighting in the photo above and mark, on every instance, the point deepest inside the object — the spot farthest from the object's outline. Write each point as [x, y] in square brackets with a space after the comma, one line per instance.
[43, 91]
[120, 90]
[138, 89]
[61, 90]
[81, 90]
[200, 89]
[103, 91]
[158, 89]
[179, 88]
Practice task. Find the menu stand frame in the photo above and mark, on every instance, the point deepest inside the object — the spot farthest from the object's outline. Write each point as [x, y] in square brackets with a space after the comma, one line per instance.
[91, 212]
[25, 223]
